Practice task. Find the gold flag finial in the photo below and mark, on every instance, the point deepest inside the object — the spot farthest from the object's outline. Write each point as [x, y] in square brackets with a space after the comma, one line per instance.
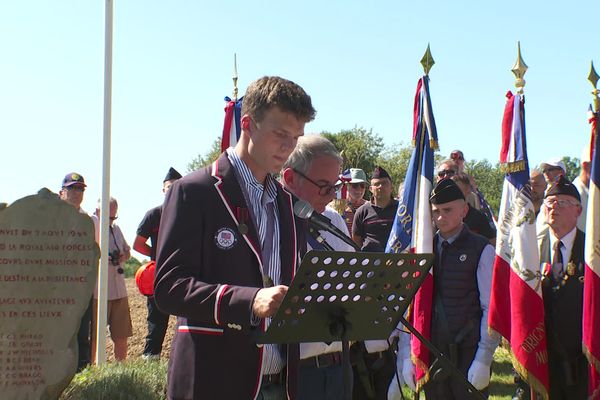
[427, 60]
[235, 77]
[593, 78]
[519, 70]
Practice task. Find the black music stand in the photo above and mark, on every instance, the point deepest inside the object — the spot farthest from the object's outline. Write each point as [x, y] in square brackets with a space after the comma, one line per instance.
[351, 296]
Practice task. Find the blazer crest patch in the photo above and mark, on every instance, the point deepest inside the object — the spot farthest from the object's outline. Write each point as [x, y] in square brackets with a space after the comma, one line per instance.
[225, 238]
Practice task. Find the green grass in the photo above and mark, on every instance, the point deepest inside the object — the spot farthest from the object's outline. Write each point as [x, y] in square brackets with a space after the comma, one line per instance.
[131, 380]
[139, 379]
[502, 385]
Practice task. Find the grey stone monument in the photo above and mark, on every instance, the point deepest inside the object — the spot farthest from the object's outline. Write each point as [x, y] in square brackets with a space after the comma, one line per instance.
[48, 268]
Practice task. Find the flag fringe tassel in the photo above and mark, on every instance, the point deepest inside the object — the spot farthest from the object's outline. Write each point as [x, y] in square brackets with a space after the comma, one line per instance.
[515, 166]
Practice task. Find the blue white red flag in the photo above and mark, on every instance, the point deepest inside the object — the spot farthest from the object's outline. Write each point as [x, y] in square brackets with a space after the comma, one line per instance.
[412, 229]
[345, 177]
[231, 125]
[591, 288]
[516, 305]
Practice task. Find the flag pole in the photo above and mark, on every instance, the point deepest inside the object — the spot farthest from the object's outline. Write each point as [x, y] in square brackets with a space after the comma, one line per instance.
[591, 345]
[235, 78]
[427, 62]
[100, 349]
[593, 78]
[519, 70]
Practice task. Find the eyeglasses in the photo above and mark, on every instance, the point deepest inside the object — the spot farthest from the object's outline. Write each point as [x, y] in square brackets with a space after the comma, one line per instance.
[75, 188]
[560, 203]
[446, 172]
[325, 189]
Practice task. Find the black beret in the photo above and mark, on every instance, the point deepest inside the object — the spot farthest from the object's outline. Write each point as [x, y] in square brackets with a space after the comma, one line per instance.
[563, 186]
[445, 191]
[172, 175]
[379, 173]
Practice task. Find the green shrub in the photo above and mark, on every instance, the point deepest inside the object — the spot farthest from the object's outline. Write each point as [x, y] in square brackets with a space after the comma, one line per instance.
[129, 380]
[131, 266]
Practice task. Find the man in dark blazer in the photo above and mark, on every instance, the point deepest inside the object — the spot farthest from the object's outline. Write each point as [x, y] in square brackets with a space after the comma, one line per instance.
[562, 260]
[229, 245]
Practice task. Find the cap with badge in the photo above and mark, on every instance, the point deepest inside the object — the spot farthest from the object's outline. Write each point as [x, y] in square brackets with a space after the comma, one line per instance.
[563, 186]
[172, 175]
[379, 173]
[553, 163]
[357, 175]
[445, 191]
[73, 178]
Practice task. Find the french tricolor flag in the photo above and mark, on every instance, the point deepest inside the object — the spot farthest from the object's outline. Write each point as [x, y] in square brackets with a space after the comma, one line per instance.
[231, 125]
[591, 287]
[412, 229]
[516, 305]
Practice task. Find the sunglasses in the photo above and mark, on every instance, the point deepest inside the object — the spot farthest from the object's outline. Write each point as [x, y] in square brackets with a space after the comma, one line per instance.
[446, 172]
[325, 189]
[75, 188]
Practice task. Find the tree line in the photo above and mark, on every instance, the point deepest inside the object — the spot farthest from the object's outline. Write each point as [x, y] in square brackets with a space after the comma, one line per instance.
[364, 149]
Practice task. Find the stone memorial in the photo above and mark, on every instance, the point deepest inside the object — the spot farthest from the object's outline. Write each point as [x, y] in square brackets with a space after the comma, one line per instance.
[48, 268]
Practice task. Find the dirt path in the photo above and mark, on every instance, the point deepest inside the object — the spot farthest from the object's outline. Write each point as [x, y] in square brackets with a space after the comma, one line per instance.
[137, 308]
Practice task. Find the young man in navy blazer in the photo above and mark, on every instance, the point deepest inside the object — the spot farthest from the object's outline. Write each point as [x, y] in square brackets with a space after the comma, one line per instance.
[228, 246]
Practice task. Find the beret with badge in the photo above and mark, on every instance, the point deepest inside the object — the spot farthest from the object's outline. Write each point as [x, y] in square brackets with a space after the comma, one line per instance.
[563, 186]
[445, 191]
[379, 173]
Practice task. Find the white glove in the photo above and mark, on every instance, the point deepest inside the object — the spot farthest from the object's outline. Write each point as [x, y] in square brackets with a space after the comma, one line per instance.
[479, 375]
[394, 389]
[408, 374]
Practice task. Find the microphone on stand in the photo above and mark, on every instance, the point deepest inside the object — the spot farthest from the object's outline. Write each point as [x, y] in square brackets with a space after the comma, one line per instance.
[304, 210]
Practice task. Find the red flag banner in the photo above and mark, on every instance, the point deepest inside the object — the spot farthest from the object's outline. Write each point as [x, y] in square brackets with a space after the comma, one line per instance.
[516, 304]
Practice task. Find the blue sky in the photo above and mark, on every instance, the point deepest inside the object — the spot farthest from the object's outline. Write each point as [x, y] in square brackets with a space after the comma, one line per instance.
[173, 61]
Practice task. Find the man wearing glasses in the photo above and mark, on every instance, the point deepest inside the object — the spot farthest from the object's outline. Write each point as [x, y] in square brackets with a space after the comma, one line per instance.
[72, 189]
[446, 170]
[118, 315]
[311, 173]
[562, 261]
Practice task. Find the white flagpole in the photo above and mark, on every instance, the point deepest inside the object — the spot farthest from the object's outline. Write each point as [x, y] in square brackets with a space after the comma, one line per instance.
[105, 210]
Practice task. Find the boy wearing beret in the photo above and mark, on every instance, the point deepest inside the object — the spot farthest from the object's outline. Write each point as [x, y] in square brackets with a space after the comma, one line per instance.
[462, 280]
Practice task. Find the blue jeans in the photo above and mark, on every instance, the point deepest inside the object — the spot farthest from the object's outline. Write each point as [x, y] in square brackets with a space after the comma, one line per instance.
[321, 383]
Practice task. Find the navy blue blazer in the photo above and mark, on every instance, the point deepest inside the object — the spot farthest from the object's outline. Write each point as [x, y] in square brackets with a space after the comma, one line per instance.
[208, 273]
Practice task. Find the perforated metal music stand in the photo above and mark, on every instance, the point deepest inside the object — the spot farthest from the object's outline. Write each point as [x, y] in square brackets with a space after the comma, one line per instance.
[342, 296]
